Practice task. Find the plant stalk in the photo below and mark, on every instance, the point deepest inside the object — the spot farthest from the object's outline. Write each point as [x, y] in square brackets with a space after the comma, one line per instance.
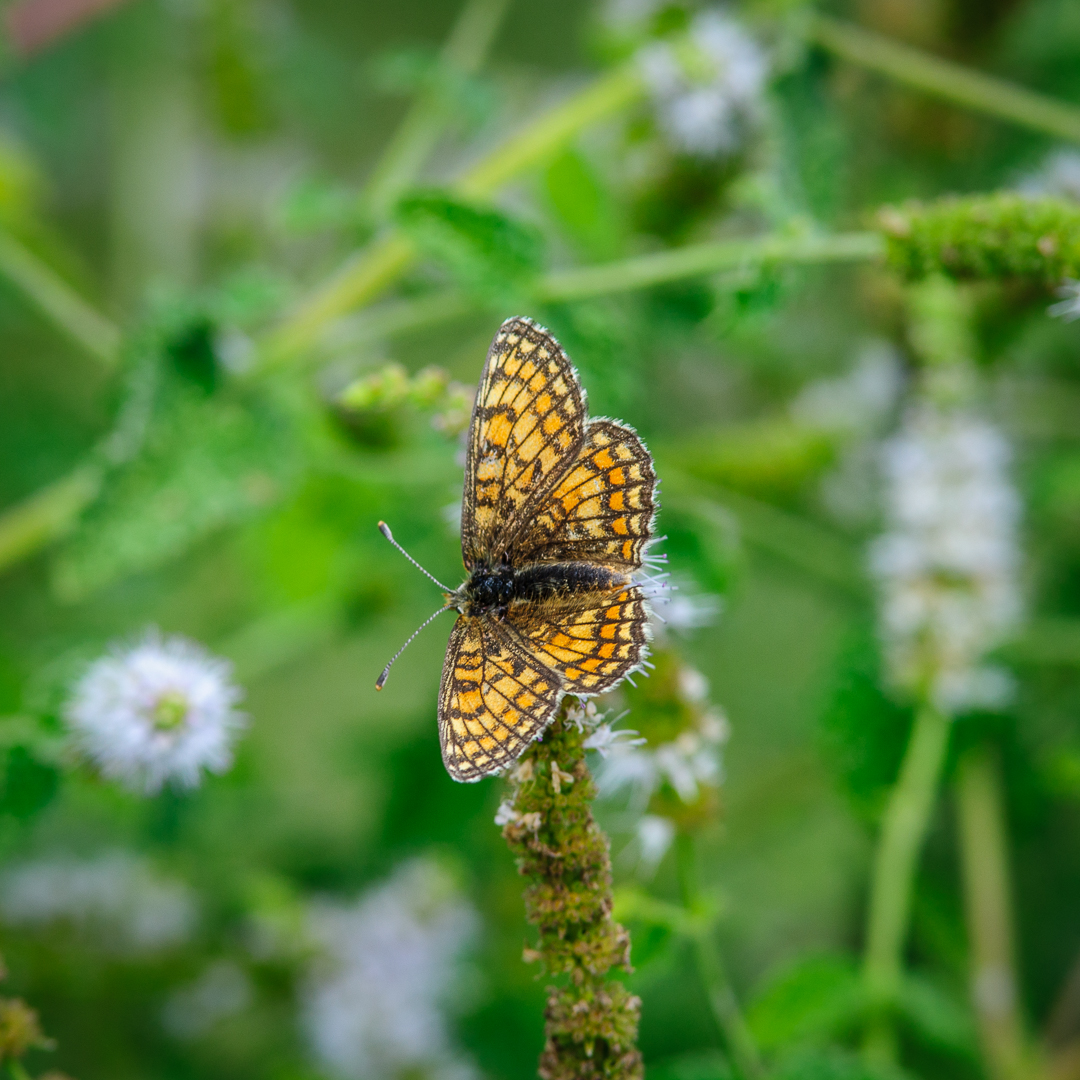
[57, 300]
[945, 79]
[713, 972]
[988, 909]
[47, 514]
[903, 832]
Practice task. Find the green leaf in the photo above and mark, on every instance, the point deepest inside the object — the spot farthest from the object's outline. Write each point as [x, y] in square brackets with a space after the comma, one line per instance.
[811, 1002]
[937, 1018]
[484, 250]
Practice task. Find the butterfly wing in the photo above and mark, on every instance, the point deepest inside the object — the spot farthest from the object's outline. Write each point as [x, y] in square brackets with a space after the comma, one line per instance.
[602, 509]
[494, 699]
[528, 425]
[590, 640]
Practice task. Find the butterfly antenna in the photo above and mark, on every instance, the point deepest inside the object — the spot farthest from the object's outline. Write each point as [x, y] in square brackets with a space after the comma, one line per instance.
[381, 681]
[385, 530]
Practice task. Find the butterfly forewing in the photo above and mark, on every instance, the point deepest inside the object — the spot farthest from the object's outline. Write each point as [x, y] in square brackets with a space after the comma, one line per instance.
[528, 425]
[495, 698]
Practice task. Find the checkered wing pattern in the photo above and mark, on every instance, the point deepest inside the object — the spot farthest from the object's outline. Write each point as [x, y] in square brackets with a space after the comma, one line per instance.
[528, 425]
[495, 698]
[591, 640]
[602, 509]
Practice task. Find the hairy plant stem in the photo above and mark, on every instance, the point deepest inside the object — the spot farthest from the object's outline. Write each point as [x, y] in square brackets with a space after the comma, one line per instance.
[591, 1020]
[712, 970]
[57, 300]
[988, 908]
[945, 79]
[903, 831]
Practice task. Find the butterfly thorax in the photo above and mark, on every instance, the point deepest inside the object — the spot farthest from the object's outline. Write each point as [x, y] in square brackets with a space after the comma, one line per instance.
[492, 590]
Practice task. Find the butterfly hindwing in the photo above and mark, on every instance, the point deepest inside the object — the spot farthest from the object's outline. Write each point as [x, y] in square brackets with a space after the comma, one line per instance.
[602, 509]
[493, 701]
[528, 425]
[590, 640]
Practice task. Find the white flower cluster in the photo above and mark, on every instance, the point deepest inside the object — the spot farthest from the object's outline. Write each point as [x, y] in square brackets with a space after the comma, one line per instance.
[116, 900]
[1068, 307]
[688, 763]
[947, 566]
[161, 710]
[375, 997]
[708, 86]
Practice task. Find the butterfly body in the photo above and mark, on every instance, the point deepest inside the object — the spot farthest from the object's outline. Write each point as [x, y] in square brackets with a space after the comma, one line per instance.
[556, 517]
[495, 591]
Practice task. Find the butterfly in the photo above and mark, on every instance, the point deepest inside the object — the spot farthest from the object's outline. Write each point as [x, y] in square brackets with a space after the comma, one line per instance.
[556, 519]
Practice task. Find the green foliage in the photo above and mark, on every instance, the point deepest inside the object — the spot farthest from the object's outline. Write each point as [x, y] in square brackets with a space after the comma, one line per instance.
[190, 462]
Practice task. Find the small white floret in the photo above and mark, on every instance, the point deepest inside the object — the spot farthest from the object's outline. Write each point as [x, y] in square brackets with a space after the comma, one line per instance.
[156, 712]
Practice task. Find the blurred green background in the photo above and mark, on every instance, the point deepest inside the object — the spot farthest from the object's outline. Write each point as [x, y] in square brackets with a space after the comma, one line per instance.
[192, 169]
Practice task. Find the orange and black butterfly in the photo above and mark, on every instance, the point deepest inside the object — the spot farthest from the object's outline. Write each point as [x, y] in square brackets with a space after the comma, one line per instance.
[556, 518]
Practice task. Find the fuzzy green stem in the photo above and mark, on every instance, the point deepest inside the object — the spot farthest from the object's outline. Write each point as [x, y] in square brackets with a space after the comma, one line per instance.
[695, 260]
[592, 1021]
[18, 1071]
[903, 831]
[988, 909]
[415, 138]
[55, 299]
[47, 514]
[713, 972]
[615, 277]
[945, 79]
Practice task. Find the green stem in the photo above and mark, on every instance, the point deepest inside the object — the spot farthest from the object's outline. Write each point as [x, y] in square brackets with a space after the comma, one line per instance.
[903, 831]
[988, 906]
[17, 1070]
[419, 131]
[611, 278]
[549, 132]
[695, 260]
[53, 297]
[47, 514]
[712, 970]
[945, 79]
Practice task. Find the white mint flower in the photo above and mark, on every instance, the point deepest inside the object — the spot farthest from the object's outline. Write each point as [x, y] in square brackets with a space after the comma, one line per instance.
[708, 86]
[654, 837]
[1068, 307]
[857, 401]
[947, 566]
[1058, 175]
[375, 998]
[116, 900]
[688, 763]
[161, 710]
[604, 738]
